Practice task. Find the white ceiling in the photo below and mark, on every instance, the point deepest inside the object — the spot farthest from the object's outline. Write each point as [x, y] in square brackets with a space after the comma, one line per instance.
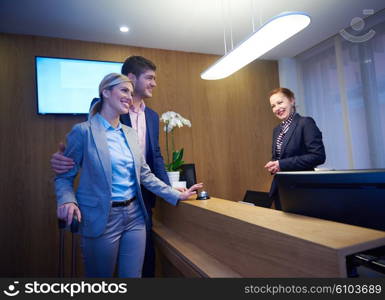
[185, 25]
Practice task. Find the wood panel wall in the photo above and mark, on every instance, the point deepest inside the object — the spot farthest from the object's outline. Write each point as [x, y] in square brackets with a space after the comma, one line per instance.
[230, 138]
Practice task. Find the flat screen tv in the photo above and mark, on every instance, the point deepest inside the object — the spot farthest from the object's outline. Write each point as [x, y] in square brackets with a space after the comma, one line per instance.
[355, 197]
[67, 86]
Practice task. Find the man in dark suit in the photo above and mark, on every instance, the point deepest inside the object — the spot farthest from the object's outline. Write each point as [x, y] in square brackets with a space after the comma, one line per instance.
[146, 123]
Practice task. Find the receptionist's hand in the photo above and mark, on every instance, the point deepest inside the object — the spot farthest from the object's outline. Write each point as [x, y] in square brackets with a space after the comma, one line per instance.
[273, 167]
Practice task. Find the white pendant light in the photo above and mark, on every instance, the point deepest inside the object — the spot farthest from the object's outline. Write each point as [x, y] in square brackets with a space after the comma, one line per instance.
[268, 36]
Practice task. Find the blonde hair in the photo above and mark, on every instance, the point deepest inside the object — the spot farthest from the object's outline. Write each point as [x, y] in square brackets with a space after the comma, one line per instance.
[108, 83]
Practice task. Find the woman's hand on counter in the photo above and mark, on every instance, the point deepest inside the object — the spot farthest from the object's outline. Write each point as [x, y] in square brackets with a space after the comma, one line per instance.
[190, 192]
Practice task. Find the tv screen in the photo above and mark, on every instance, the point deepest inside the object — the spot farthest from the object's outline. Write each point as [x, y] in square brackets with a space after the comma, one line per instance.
[355, 197]
[67, 86]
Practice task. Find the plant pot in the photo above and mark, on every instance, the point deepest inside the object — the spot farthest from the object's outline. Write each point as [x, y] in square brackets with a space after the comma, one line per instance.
[173, 176]
[178, 184]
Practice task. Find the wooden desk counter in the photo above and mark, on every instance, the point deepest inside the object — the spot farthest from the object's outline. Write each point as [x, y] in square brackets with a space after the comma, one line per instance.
[252, 241]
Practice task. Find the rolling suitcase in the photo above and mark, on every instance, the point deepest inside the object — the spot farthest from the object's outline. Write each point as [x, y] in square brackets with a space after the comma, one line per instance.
[74, 229]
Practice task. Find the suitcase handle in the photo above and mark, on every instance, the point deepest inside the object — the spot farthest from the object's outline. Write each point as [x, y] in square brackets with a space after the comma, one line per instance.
[74, 225]
[61, 223]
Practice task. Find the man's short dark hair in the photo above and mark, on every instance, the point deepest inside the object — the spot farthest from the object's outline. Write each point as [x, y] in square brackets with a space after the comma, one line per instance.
[137, 65]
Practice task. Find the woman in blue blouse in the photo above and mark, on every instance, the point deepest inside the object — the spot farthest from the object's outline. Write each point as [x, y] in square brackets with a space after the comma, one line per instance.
[108, 202]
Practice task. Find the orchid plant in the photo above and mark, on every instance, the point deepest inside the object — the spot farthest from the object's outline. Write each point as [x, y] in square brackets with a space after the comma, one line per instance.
[172, 120]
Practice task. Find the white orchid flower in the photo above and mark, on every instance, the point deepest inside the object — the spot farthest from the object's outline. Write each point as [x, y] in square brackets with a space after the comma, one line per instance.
[165, 117]
[172, 123]
[172, 120]
[179, 123]
[186, 122]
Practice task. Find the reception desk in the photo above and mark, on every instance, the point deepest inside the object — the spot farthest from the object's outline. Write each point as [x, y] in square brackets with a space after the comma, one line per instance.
[222, 238]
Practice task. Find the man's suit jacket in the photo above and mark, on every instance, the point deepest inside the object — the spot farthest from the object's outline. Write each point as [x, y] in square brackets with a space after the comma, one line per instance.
[87, 146]
[302, 147]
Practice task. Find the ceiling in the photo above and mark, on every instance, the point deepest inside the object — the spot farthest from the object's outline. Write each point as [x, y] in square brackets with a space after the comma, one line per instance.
[184, 25]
